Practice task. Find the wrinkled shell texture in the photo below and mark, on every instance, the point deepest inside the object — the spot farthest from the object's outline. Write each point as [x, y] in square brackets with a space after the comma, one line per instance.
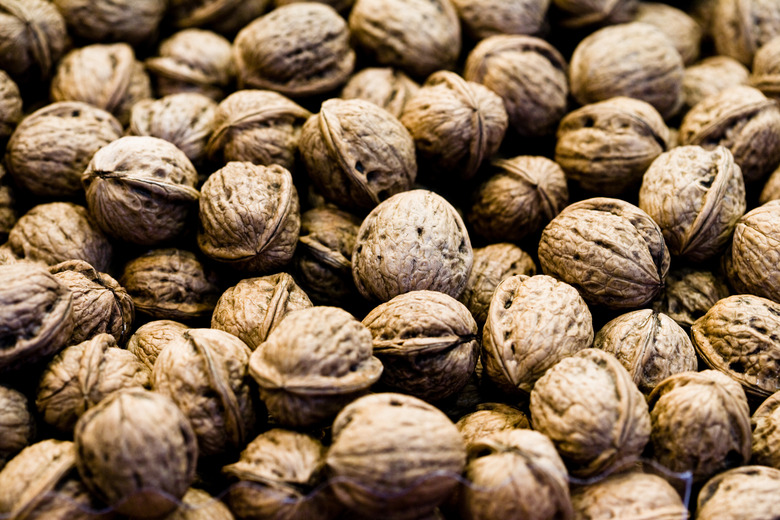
[386, 87]
[223, 16]
[689, 294]
[417, 36]
[32, 38]
[484, 18]
[766, 69]
[741, 27]
[591, 409]
[710, 76]
[766, 432]
[137, 452]
[684, 32]
[701, 424]
[413, 241]
[490, 418]
[250, 216]
[299, 49]
[199, 505]
[530, 76]
[394, 456]
[532, 323]
[151, 338]
[754, 256]
[205, 372]
[357, 154]
[132, 21]
[747, 492]
[581, 13]
[10, 105]
[427, 343]
[610, 250]
[17, 426]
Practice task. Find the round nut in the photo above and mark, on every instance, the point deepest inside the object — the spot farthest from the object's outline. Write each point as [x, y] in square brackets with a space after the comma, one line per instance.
[684, 32]
[710, 76]
[33, 38]
[766, 432]
[131, 21]
[386, 87]
[739, 493]
[490, 418]
[484, 18]
[151, 338]
[741, 27]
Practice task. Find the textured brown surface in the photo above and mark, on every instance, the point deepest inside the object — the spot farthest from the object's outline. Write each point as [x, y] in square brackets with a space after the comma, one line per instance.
[753, 261]
[710, 76]
[747, 493]
[684, 32]
[484, 18]
[17, 426]
[8, 214]
[580, 13]
[771, 190]
[766, 432]
[199, 505]
[490, 418]
[386, 87]
[222, 16]
[32, 38]
[766, 68]
[741, 27]
[10, 105]
[131, 21]
[688, 295]
[149, 339]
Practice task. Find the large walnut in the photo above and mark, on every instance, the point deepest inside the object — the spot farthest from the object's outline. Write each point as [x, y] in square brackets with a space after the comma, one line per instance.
[17, 426]
[766, 432]
[689, 294]
[223, 16]
[484, 18]
[33, 36]
[386, 87]
[710, 76]
[151, 338]
[684, 32]
[131, 21]
[746, 493]
[741, 27]
[10, 105]
[490, 418]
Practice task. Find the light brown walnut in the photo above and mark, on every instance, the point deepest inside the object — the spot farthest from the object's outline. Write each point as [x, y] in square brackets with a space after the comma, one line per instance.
[752, 262]
[746, 493]
[386, 87]
[490, 418]
[766, 432]
[132, 21]
[33, 37]
[688, 294]
[484, 18]
[223, 16]
[583, 13]
[10, 105]
[740, 27]
[710, 76]
[17, 425]
[199, 505]
[151, 338]
[684, 32]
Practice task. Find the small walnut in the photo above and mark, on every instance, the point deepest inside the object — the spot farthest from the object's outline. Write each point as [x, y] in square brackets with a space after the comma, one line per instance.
[684, 32]
[766, 69]
[357, 154]
[581, 13]
[84, 374]
[199, 505]
[749, 492]
[412, 241]
[753, 260]
[529, 74]
[315, 362]
[17, 426]
[140, 189]
[593, 412]
[10, 105]
[766, 432]
[386, 87]
[132, 21]
[610, 250]
[137, 452]
[490, 418]
[701, 424]
[740, 27]
[394, 456]
[689, 294]
[710, 76]
[33, 36]
[223, 16]
[151, 338]
[484, 18]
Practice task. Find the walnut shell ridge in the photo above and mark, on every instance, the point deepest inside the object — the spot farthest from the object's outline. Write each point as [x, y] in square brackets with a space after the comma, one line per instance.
[33, 38]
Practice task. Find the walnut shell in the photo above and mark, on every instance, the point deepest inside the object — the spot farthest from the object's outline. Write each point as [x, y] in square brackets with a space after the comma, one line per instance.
[766, 69]
[710, 76]
[490, 418]
[528, 73]
[741, 27]
[484, 18]
[593, 412]
[223, 16]
[10, 105]
[766, 432]
[394, 456]
[412, 241]
[131, 21]
[199, 505]
[610, 250]
[701, 424]
[746, 493]
[684, 32]
[151, 338]
[8, 214]
[753, 260]
[689, 294]
[771, 190]
[386, 87]
[315, 362]
[17, 426]
[82, 375]
[581, 13]
[33, 36]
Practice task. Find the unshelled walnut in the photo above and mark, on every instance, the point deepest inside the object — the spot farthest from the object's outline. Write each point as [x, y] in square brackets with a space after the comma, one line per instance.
[749, 492]
[394, 456]
[10, 105]
[8, 213]
[151, 338]
[17, 426]
[484, 18]
[753, 260]
[490, 418]
[771, 190]
[386, 87]
[710, 76]
[131, 21]
[33, 37]
[581, 13]
[741, 27]
[223, 16]
[766, 68]
[303, 386]
[82, 375]
[688, 295]
[196, 504]
[684, 32]
[766, 432]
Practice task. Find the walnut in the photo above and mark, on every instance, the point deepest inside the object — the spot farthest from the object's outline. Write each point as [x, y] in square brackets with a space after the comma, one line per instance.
[131, 21]
[771, 190]
[635, 60]
[753, 259]
[710, 76]
[740, 27]
[386, 87]
[280, 476]
[298, 50]
[140, 189]
[82, 375]
[106, 76]
[749, 492]
[650, 345]
[312, 364]
[151, 338]
[33, 36]
[223, 16]
[8, 214]
[394, 456]
[484, 18]
[10, 105]
[701, 424]
[59, 231]
[490, 418]
[193, 60]
[529, 74]
[593, 412]
[204, 371]
[689, 294]
[254, 306]
[696, 197]
[766, 69]
[100, 304]
[684, 32]
[412, 241]
[50, 149]
[137, 452]
[170, 284]
[581, 13]
[610, 250]
[199, 505]
[17, 426]
[249, 216]
[417, 36]
[357, 154]
[766, 432]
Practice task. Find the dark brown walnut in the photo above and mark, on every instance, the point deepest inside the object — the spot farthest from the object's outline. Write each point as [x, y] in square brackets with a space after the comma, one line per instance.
[528, 74]
[688, 294]
[280, 476]
[610, 250]
[132, 21]
[199, 505]
[249, 217]
[427, 343]
[532, 323]
[456, 125]
[593, 412]
[185, 119]
[710, 76]
[394, 456]
[137, 452]
[493, 264]
[386, 87]
[581, 13]
[740, 336]
[766, 432]
[17, 426]
[417, 36]
[743, 120]
[254, 306]
[606, 147]
[490, 418]
[484, 18]
[741, 27]
[635, 60]
[696, 196]
[684, 32]
[170, 284]
[412, 241]
[10, 105]
[205, 372]
[298, 50]
[746, 493]
[357, 154]
[36, 314]
[193, 60]
[701, 424]
[258, 126]
[766, 68]
[650, 345]
[312, 364]
[41, 483]
[100, 304]
[106, 76]
[629, 495]
[323, 259]
[33, 36]
[753, 260]
[50, 149]
[82, 375]
[140, 189]
[223, 16]
[151, 338]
